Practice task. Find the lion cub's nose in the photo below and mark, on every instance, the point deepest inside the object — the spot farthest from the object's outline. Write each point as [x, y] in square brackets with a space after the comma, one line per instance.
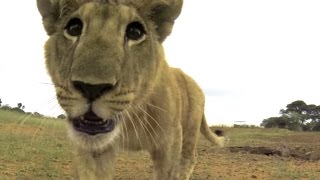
[92, 91]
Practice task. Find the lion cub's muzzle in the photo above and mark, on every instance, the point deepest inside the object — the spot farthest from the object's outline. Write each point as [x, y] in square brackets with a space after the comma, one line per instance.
[90, 123]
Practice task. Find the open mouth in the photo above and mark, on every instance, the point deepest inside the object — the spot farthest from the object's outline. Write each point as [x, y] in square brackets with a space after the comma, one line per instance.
[91, 124]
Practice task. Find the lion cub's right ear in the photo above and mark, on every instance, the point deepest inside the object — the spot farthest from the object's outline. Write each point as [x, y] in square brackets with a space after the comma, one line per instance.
[53, 10]
[49, 10]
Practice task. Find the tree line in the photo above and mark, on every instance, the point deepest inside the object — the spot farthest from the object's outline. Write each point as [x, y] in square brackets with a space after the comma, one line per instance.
[20, 108]
[297, 116]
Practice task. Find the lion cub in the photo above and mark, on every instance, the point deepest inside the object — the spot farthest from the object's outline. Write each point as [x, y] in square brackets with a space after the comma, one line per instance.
[107, 64]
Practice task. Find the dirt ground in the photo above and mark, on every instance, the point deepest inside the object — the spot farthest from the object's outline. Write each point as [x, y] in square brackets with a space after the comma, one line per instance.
[40, 152]
[292, 156]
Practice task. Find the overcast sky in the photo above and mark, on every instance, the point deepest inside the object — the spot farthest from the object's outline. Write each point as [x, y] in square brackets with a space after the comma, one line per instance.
[251, 57]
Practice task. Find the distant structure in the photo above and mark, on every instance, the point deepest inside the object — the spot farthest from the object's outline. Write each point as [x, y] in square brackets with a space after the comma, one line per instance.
[239, 123]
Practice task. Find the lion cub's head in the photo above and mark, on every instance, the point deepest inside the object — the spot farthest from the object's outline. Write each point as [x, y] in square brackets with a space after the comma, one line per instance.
[104, 57]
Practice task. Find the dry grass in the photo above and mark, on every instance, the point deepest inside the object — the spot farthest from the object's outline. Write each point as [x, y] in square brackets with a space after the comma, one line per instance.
[37, 148]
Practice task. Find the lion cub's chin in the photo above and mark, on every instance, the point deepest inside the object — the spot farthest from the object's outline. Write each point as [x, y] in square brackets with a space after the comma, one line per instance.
[93, 143]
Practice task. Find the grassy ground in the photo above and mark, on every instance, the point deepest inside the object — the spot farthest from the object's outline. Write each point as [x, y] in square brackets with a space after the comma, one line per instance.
[38, 148]
[33, 148]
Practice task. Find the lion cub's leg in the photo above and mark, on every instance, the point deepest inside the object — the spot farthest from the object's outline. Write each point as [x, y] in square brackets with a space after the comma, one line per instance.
[165, 167]
[189, 150]
[188, 160]
[166, 160]
[95, 166]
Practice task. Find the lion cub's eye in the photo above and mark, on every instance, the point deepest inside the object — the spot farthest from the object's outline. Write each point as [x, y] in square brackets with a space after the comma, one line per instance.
[135, 31]
[74, 27]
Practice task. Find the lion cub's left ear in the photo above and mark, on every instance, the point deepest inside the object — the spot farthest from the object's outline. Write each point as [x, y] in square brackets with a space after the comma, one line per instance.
[163, 13]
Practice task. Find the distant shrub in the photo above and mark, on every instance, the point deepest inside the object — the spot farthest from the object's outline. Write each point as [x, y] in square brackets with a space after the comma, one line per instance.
[245, 126]
[6, 107]
[36, 114]
[62, 116]
[316, 127]
[17, 110]
[295, 127]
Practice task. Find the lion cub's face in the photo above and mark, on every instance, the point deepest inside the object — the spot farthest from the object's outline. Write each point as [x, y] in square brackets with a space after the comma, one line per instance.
[104, 57]
[102, 62]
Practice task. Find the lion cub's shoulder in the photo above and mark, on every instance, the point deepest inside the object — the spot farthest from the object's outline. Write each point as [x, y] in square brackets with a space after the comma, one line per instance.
[187, 83]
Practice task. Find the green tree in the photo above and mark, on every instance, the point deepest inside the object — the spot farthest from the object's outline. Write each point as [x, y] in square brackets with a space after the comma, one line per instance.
[309, 126]
[297, 106]
[316, 127]
[297, 111]
[276, 122]
[283, 122]
[0, 102]
[297, 116]
[269, 123]
[313, 112]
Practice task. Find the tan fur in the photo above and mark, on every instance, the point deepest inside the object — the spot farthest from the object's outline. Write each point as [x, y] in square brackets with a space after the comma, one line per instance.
[157, 108]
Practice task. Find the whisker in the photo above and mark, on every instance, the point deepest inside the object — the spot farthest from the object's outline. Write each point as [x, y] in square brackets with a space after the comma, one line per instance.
[134, 127]
[54, 106]
[122, 131]
[26, 117]
[142, 124]
[55, 129]
[38, 129]
[157, 107]
[153, 130]
[23, 120]
[154, 120]
[44, 83]
[126, 129]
